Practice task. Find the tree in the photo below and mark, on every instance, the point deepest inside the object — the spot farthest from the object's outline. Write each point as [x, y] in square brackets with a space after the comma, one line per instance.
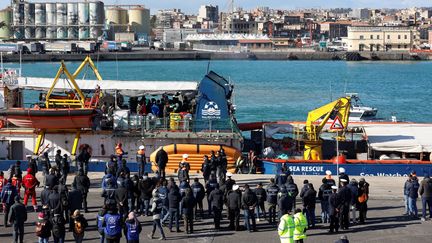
[2, 24]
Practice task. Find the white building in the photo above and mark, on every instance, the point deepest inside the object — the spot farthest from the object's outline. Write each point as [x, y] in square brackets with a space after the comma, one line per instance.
[208, 12]
[360, 13]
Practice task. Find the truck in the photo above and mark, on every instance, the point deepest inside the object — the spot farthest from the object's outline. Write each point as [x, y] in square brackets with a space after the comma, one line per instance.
[126, 46]
[159, 45]
[13, 48]
[86, 47]
[61, 47]
[110, 46]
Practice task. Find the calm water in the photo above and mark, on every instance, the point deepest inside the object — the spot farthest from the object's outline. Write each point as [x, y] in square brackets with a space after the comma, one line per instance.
[287, 90]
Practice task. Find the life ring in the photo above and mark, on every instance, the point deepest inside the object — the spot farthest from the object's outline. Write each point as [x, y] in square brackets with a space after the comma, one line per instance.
[2, 123]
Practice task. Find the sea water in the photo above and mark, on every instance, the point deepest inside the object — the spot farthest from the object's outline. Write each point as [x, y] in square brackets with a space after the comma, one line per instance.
[285, 90]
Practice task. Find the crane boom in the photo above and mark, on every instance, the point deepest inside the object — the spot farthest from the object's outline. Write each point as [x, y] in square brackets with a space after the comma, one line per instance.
[338, 108]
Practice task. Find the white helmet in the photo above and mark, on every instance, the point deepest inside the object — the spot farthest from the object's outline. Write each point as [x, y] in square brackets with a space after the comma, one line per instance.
[141, 147]
[341, 170]
[185, 156]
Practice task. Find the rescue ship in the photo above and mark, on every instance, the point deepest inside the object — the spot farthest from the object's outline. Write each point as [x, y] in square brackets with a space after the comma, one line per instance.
[72, 112]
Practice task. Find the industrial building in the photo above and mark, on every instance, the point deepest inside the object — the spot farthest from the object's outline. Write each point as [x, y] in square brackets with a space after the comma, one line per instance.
[72, 20]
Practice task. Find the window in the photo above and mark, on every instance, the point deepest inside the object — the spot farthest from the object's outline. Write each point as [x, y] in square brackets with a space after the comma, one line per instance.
[399, 46]
[399, 37]
[371, 37]
[388, 36]
[406, 46]
[378, 37]
[361, 37]
[406, 37]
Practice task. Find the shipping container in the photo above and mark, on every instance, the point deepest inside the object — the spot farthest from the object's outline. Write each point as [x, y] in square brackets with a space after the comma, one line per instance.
[110, 46]
[86, 47]
[125, 36]
[63, 47]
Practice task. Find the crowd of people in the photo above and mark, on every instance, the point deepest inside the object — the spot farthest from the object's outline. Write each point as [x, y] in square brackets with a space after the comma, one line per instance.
[127, 196]
[412, 189]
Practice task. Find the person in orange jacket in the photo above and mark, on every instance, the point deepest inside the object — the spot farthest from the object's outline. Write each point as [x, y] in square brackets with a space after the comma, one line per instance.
[30, 182]
[119, 152]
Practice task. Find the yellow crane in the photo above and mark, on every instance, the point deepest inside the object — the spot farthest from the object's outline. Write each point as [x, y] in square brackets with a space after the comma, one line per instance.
[316, 121]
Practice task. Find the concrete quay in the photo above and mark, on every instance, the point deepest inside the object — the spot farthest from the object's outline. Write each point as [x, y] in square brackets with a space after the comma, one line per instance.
[385, 221]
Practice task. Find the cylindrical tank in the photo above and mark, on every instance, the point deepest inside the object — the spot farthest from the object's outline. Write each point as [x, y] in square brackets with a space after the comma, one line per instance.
[83, 20]
[117, 18]
[51, 21]
[6, 17]
[139, 20]
[96, 18]
[61, 20]
[40, 20]
[72, 20]
[29, 20]
[18, 20]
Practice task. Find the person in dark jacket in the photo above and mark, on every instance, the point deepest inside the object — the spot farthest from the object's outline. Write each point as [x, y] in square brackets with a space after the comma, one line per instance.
[146, 188]
[64, 168]
[83, 159]
[51, 179]
[216, 199]
[249, 202]
[121, 198]
[324, 193]
[334, 206]
[205, 168]
[344, 195]
[272, 191]
[32, 164]
[161, 161]
[309, 201]
[342, 175]
[135, 194]
[199, 194]
[82, 183]
[285, 202]
[174, 198]
[75, 203]
[425, 192]
[210, 186]
[8, 194]
[412, 196]
[363, 193]
[54, 202]
[405, 193]
[64, 198]
[18, 216]
[292, 189]
[79, 225]
[58, 228]
[44, 196]
[188, 204]
[229, 181]
[353, 186]
[124, 169]
[183, 169]
[261, 195]
[58, 158]
[45, 164]
[234, 205]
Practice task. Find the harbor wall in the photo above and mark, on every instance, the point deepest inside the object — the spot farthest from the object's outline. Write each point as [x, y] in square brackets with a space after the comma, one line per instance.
[201, 55]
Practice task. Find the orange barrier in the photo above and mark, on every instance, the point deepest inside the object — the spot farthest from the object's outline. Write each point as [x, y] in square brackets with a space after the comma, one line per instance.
[196, 153]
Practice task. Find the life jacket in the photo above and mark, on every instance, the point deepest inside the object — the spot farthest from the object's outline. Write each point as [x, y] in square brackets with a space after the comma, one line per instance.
[301, 224]
[113, 226]
[132, 231]
[286, 229]
[78, 227]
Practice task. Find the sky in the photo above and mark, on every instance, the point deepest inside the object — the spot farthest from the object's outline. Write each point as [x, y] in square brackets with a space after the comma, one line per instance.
[191, 6]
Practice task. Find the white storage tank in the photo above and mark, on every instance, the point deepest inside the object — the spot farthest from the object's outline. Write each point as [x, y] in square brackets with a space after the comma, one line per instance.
[72, 20]
[117, 18]
[96, 18]
[51, 21]
[40, 20]
[29, 20]
[83, 20]
[6, 17]
[18, 20]
[61, 20]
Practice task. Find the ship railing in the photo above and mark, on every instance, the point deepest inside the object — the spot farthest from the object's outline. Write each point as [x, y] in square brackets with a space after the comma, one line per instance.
[152, 124]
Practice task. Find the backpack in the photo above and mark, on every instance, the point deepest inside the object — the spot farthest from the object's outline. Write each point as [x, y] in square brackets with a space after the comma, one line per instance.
[40, 230]
[78, 227]
[112, 227]
[58, 226]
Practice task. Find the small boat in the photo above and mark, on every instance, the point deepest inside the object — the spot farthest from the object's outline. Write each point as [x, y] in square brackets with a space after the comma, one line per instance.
[62, 118]
[360, 112]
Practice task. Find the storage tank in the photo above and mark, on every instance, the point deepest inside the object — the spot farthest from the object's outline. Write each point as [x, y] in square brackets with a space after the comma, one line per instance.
[29, 20]
[51, 21]
[83, 20]
[40, 20]
[72, 20]
[6, 17]
[117, 18]
[139, 20]
[18, 20]
[61, 13]
[96, 18]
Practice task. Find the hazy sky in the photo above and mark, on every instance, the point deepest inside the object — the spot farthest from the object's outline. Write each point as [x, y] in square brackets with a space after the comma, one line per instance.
[191, 6]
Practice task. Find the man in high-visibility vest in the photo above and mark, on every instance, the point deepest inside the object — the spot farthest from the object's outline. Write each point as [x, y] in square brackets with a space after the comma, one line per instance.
[119, 152]
[286, 228]
[301, 224]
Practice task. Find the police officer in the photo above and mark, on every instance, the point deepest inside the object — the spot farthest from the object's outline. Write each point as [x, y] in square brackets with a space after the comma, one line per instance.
[210, 186]
[342, 175]
[199, 193]
[82, 183]
[7, 196]
[234, 205]
[184, 167]
[324, 193]
[141, 160]
[334, 207]
[261, 195]
[18, 215]
[281, 178]
[58, 158]
[229, 181]
[272, 199]
[285, 202]
[292, 189]
[32, 164]
[216, 199]
[344, 195]
[64, 168]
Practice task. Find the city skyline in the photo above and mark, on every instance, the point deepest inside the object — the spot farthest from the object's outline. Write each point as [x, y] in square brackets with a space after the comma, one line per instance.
[191, 7]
